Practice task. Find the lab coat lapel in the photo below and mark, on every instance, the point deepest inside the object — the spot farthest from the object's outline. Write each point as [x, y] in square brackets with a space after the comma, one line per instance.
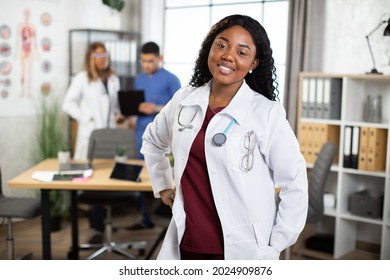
[200, 96]
[241, 102]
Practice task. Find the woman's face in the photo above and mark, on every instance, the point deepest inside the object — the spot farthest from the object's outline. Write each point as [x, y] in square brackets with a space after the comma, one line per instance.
[232, 55]
[101, 58]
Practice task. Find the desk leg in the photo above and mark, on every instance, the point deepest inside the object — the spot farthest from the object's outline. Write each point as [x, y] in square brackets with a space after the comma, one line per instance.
[74, 251]
[45, 218]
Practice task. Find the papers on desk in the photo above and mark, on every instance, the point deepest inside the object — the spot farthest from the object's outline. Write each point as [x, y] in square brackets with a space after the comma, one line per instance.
[49, 176]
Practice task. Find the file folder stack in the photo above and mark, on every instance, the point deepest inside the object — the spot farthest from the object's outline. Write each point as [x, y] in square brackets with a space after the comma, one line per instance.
[365, 148]
[376, 152]
[313, 135]
[321, 98]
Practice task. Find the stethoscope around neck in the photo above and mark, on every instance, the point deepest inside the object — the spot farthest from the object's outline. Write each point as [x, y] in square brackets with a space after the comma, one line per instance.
[219, 139]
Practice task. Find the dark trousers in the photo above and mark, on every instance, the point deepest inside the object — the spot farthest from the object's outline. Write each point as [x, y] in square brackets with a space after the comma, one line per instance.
[98, 212]
[146, 205]
[97, 216]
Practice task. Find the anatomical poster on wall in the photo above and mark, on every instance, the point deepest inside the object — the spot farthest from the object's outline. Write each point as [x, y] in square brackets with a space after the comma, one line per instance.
[32, 48]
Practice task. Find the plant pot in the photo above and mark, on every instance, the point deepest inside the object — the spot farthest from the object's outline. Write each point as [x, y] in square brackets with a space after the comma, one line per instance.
[121, 159]
[63, 157]
[55, 223]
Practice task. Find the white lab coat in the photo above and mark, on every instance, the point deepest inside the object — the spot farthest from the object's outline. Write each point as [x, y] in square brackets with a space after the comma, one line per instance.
[89, 104]
[253, 225]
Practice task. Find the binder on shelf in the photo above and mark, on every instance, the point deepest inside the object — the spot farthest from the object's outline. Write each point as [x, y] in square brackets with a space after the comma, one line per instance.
[305, 98]
[332, 98]
[310, 143]
[312, 97]
[330, 133]
[317, 141]
[309, 146]
[319, 105]
[303, 139]
[376, 156]
[363, 146]
[313, 135]
[347, 147]
[355, 147]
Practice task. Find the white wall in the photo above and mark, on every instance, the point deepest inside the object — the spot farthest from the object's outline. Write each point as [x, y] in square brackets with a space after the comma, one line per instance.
[347, 23]
[18, 132]
[152, 27]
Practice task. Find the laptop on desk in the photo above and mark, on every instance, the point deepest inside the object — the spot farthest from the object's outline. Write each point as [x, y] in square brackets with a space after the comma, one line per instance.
[72, 170]
[77, 166]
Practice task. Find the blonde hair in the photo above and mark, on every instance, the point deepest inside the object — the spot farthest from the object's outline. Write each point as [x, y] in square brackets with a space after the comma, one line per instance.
[89, 62]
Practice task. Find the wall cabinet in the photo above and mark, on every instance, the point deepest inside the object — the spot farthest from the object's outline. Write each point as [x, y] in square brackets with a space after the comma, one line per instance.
[349, 95]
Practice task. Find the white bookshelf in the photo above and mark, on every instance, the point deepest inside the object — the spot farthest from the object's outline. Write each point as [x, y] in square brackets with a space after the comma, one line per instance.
[349, 229]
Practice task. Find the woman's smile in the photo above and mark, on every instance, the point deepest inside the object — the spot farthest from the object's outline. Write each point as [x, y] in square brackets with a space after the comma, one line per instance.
[225, 68]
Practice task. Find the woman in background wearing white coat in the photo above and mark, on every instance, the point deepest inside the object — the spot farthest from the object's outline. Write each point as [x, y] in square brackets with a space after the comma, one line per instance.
[92, 98]
[231, 145]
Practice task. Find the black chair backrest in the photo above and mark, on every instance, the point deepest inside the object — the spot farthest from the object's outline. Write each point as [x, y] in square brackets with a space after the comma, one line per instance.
[317, 180]
[103, 142]
[1, 182]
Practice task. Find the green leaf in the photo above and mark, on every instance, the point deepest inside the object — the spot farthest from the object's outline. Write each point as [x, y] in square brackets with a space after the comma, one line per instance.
[114, 4]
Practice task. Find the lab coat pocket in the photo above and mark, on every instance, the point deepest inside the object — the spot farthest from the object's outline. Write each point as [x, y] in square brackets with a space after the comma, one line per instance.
[86, 127]
[235, 150]
[240, 243]
[265, 251]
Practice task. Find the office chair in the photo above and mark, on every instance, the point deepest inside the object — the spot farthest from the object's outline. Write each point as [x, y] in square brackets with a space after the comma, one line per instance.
[102, 144]
[17, 207]
[317, 179]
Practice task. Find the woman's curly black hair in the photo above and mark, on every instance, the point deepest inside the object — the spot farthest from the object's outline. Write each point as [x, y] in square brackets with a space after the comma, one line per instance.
[263, 78]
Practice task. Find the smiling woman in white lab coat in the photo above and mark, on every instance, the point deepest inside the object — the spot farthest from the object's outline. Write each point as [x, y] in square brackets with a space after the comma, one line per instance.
[231, 145]
[92, 97]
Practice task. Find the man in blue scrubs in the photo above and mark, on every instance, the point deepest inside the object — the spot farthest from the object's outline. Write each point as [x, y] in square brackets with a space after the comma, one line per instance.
[159, 85]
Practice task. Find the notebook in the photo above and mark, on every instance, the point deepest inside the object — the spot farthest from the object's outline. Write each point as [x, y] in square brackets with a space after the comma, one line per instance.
[126, 171]
[129, 101]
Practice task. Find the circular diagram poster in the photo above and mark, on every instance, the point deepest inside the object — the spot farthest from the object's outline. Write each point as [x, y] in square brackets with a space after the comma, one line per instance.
[5, 31]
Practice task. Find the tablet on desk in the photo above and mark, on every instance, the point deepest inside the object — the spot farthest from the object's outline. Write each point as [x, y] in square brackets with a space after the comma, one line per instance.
[129, 101]
[125, 171]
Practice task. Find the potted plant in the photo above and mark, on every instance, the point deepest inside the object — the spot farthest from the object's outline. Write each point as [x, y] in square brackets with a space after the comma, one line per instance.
[63, 154]
[114, 4]
[50, 137]
[113, 19]
[120, 154]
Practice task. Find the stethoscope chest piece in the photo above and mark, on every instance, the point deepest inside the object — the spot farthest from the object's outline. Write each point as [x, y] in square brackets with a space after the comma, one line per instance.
[219, 139]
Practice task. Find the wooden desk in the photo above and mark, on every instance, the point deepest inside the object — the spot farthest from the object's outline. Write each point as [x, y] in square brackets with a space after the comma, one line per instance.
[99, 181]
